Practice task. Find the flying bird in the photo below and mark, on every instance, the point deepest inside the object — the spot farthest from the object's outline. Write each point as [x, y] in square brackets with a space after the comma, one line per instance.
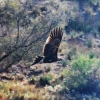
[50, 48]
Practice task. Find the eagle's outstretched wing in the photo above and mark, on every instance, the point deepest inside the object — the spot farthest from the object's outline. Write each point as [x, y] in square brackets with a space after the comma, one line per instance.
[37, 59]
[51, 46]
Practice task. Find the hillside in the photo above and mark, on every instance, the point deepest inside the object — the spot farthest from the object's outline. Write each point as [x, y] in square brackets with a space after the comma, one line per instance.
[24, 28]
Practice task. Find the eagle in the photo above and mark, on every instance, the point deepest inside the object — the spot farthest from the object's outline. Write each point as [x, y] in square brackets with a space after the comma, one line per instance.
[50, 48]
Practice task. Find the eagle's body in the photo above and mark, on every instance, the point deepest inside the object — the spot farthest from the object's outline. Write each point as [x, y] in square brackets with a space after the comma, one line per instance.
[50, 48]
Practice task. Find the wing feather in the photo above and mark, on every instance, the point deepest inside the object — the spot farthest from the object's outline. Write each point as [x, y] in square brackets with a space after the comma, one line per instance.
[53, 41]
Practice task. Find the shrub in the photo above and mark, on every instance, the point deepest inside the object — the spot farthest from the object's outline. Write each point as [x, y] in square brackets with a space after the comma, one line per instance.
[95, 33]
[71, 53]
[32, 80]
[45, 80]
[94, 1]
[64, 73]
[87, 28]
[89, 43]
[81, 75]
[64, 63]
[74, 25]
[91, 55]
[18, 98]
[48, 69]
[77, 26]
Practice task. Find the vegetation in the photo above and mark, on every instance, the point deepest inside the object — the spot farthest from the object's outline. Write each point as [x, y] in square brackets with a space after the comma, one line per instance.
[64, 63]
[32, 80]
[17, 91]
[45, 80]
[77, 26]
[83, 71]
[91, 55]
[94, 1]
[20, 33]
[89, 43]
[24, 27]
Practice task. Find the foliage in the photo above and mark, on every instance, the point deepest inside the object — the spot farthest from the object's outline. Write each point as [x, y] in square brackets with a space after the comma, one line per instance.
[64, 63]
[45, 80]
[82, 73]
[87, 29]
[82, 64]
[77, 26]
[15, 4]
[71, 53]
[48, 69]
[90, 1]
[91, 55]
[22, 35]
[94, 1]
[89, 43]
[65, 72]
[32, 80]
[17, 91]
[95, 33]
[52, 3]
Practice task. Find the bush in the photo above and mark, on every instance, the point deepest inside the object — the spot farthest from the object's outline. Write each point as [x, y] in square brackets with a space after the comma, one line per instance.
[89, 43]
[18, 41]
[32, 80]
[45, 80]
[87, 28]
[94, 1]
[71, 53]
[18, 98]
[64, 63]
[81, 74]
[95, 33]
[77, 26]
[91, 55]
[48, 69]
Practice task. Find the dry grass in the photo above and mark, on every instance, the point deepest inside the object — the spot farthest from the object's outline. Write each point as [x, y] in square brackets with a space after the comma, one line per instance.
[11, 90]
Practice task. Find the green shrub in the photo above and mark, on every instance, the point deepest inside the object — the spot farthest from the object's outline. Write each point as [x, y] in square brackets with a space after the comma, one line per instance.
[94, 1]
[87, 28]
[82, 64]
[81, 74]
[45, 80]
[74, 25]
[91, 55]
[77, 26]
[64, 72]
[52, 3]
[71, 53]
[95, 33]
[64, 63]
[32, 80]
[48, 69]
[89, 43]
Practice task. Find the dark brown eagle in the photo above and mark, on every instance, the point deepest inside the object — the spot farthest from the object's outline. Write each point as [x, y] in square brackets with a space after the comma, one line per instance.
[50, 48]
